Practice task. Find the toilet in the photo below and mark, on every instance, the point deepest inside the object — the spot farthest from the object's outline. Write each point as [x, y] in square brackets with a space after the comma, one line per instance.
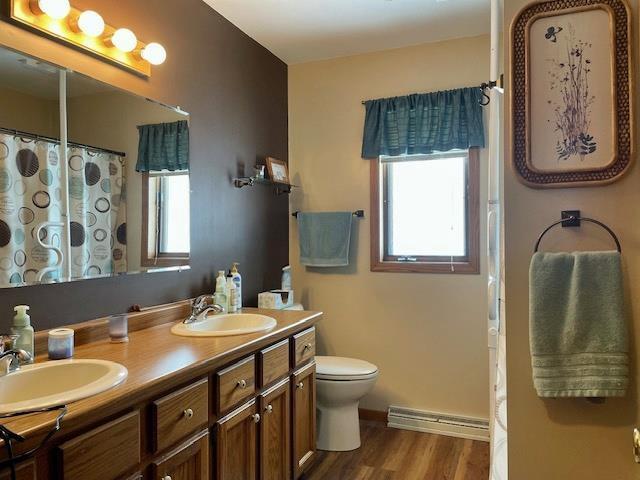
[341, 383]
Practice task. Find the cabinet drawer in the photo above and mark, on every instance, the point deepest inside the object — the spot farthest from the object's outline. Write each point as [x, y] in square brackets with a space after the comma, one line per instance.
[274, 362]
[105, 453]
[24, 471]
[304, 346]
[235, 383]
[180, 413]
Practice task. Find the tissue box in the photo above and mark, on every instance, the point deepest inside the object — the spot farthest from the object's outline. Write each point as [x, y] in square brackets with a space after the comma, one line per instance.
[275, 299]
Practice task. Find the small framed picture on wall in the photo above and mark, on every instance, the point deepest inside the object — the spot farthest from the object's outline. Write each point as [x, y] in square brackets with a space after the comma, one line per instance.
[278, 171]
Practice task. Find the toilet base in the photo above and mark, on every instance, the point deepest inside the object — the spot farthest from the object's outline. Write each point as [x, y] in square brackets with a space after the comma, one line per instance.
[338, 428]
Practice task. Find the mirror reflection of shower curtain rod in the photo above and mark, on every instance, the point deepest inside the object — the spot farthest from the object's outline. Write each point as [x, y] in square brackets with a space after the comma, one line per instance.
[19, 133]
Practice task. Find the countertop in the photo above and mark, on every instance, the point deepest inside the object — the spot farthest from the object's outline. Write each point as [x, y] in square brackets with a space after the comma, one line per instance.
[158, 361]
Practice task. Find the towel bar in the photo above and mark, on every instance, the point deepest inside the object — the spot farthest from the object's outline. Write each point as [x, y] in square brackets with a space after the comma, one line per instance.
[357, 213]
[573, 218]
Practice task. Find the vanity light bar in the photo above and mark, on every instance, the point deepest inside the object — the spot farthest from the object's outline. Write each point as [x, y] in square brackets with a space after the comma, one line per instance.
[88, 30]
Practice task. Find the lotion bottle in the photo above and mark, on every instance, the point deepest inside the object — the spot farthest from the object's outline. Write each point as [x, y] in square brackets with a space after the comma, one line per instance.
[22, 327]
[231, 294]
[237, 280]
[220, 296]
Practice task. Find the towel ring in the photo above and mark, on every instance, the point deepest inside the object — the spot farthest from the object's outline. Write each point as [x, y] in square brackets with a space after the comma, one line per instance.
[584, 219]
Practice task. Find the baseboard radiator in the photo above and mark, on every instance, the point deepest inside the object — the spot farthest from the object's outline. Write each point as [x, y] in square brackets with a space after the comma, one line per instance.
[441, 424]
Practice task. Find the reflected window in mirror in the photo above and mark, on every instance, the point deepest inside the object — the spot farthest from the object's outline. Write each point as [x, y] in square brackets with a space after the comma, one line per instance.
[165, 201]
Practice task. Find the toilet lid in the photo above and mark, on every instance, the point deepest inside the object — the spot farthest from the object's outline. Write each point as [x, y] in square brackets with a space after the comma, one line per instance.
[341, 368]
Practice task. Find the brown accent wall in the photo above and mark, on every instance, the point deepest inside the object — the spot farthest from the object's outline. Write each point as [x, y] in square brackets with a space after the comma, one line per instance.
[236, 93]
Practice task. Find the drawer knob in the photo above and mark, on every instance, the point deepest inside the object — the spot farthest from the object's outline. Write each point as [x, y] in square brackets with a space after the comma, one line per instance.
[269, 408]
[308, 346]
[256, 418]
[300, 385]
[242, 384]
[188, 413]
[167, 477]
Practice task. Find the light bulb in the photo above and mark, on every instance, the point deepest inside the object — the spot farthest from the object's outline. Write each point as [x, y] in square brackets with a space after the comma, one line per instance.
[91, 23]
[154, 53]
[56, 9]
[124, 40]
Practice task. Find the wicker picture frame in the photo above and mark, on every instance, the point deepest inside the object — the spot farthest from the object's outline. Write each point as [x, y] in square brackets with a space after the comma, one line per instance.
[547, 149]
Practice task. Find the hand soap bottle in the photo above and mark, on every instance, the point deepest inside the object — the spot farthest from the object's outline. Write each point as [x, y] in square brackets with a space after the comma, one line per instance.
[220, 296]
[22, 327]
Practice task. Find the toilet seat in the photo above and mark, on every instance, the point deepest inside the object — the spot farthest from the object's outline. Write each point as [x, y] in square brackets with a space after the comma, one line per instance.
[344, 369]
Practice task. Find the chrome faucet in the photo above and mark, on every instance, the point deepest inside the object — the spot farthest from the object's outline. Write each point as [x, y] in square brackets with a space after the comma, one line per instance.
[201, 305]
[10, 357]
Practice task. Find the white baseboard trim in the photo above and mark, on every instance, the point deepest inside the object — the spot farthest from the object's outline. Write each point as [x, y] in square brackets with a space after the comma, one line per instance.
[438, 423]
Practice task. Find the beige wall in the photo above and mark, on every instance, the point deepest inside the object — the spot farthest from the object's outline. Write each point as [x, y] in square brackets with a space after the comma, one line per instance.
[567, 439]
[21, 111]
[110, 120]
[426, 333]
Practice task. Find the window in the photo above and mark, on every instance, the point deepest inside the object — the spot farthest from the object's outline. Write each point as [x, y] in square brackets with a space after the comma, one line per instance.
[425, 213]
[165, 200]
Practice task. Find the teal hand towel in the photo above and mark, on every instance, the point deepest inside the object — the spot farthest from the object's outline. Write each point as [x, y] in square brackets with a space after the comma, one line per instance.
[577, 329]
[324, 238]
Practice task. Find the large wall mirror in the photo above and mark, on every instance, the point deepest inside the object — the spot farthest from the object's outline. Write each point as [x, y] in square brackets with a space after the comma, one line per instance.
[94, 180]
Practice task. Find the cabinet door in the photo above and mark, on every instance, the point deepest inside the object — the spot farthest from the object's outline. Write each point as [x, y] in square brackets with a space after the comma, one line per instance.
[275, 433]
[237, 444]
[304, 418]
[189, 461]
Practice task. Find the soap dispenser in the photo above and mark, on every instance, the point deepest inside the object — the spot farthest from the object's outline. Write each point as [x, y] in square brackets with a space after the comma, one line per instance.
[23, 329]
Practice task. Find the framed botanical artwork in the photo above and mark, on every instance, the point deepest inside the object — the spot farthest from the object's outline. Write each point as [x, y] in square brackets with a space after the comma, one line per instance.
[277, 169]
[571, 102]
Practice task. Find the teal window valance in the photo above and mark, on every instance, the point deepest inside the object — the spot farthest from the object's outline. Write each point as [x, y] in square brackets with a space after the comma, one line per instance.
[163, 146]
[423, 123]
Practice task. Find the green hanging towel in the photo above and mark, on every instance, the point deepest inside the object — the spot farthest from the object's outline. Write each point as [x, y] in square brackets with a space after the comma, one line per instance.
[577, 329]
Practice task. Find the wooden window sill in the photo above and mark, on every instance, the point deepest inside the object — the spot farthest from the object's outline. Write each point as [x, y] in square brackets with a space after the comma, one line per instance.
[468, 268]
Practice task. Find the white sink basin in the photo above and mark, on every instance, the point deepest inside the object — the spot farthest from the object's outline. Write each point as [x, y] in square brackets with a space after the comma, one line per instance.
[224, 325]
[47, 384]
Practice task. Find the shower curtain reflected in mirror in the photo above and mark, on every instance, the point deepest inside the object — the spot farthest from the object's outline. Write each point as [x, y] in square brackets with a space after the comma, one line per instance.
[31, 195]
[97, 208]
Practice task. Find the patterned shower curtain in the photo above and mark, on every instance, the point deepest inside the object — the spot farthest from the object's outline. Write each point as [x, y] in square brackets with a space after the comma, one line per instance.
[31, 193]
[97, 207]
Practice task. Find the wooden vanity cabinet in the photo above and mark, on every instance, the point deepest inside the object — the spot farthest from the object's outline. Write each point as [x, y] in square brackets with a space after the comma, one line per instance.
[304, 418]
[251, 420]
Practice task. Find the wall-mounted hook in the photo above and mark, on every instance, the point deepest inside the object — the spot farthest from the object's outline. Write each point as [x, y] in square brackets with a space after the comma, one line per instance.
[485, 100]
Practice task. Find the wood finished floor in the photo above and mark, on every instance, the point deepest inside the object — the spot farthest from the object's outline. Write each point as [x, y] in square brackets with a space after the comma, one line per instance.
[392, 454]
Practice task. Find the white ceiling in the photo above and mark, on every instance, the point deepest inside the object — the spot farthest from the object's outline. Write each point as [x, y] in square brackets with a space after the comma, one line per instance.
[300, 31]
